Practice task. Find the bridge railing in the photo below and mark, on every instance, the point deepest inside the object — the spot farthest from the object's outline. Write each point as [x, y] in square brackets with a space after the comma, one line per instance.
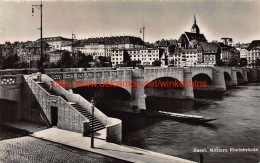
[91, 74]
[162, 69]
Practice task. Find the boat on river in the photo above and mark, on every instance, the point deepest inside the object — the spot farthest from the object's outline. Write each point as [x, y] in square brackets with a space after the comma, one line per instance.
[184, 117]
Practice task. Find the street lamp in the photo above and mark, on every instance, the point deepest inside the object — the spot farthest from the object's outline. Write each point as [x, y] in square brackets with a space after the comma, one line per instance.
[40, 8]
[93, 102]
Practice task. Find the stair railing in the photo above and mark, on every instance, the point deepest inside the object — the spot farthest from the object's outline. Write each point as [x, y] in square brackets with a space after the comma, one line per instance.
[75, 98]
[45, 98]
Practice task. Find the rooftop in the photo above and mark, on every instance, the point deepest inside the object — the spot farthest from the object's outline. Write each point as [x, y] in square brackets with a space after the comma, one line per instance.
[254, 44]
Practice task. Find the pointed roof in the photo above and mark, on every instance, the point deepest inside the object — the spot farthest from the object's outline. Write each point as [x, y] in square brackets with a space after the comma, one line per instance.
[209, 47]
[196, 36]
[183, 38]
[253, 44]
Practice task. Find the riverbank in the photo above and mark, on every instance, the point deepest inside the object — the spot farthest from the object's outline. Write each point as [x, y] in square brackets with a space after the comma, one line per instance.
[121, 152]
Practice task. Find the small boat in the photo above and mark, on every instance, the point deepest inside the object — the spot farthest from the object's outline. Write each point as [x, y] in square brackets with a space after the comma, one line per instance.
[185, 117]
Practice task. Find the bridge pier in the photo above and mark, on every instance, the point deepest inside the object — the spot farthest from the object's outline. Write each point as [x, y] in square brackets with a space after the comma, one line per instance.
[234, 76]
[137, 102]
[253, 75]
[188, 89]
[258, 74]
[218, 80]
[245, 77]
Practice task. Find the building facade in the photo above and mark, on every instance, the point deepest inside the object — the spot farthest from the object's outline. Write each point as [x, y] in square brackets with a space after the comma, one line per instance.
[56, 43]
[253, 52]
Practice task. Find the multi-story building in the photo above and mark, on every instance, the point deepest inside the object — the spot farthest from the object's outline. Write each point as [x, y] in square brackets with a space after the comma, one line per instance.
[229, 55]
[146, 56]
[117, 56]
[102, 46]
[56, 43]
[210, 54]
[254, 52]
[183, 57]
[242, 47]
[191, 56]
[55, 56]
[177, 58]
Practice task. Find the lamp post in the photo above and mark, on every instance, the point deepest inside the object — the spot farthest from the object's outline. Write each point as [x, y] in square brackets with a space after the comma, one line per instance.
[40, 8]
[92, 123]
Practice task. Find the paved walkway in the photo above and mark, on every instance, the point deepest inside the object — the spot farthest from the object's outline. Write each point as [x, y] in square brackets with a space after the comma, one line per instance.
[28, 126]
[28, 149]
[102, 147]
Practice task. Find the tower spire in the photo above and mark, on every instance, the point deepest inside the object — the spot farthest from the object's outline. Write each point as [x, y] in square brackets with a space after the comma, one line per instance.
[195, 28]
[195, 19]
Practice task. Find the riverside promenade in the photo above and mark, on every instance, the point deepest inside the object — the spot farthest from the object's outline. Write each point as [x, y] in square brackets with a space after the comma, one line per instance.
[102, 147]
[76, 140]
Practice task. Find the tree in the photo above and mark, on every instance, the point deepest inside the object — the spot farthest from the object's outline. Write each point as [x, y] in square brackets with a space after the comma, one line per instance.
[10, 61]
[172, 48]
[103, 62]
[46, 65]
[83, 60]
[66, 60]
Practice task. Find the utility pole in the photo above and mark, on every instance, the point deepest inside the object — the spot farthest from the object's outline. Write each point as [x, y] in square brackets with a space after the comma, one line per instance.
[40, 8]
[142, 31]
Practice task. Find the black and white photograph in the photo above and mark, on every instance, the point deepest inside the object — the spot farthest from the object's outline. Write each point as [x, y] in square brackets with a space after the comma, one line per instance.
[145, 81]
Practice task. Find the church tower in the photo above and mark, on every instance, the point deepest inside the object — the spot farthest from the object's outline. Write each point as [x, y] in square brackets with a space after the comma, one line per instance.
[195, 28]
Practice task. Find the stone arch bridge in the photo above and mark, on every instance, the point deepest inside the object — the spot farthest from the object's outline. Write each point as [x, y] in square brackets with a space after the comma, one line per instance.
[134, 81]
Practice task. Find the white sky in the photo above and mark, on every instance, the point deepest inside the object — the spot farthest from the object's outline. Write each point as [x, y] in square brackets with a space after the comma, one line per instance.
[239, 20]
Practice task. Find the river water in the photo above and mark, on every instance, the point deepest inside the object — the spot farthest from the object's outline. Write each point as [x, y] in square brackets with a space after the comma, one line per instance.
[238, 126]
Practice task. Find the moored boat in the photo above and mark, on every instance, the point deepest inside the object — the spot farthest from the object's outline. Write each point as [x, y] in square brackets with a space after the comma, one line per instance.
[184, 117]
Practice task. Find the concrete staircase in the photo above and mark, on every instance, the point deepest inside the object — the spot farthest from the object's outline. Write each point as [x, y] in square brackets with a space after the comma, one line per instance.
[47, 88]
[97, 124]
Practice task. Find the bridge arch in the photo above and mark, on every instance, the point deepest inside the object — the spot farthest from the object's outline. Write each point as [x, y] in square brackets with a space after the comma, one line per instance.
[156, 77]
[203, 70]
[228, 79]
[202, 77]
[101, 91]
[165, 87]
[107, 98]
[240, 79]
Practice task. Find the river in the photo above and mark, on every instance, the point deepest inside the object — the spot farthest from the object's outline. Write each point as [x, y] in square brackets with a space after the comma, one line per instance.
[238, 126]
